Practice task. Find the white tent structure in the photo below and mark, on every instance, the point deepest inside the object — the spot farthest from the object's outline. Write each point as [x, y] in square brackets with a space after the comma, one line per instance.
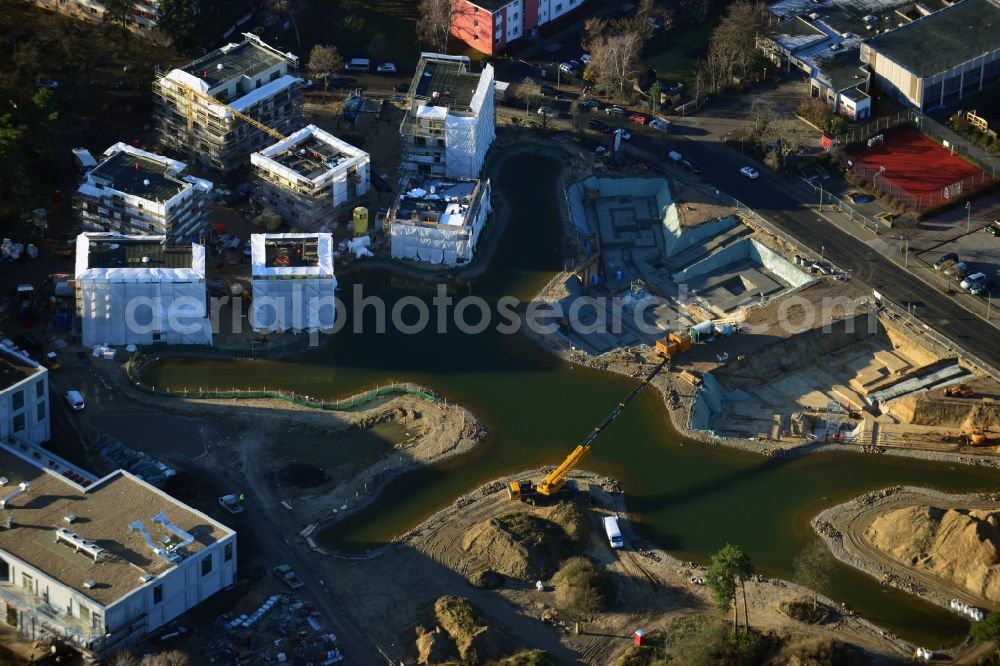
[293, 282]
[139, 290]
[438, 220]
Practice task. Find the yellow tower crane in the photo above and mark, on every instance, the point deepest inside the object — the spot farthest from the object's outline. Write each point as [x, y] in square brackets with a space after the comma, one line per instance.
[190, 93]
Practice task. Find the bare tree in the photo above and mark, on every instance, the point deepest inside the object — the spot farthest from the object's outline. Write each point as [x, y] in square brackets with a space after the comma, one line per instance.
[782, 137]
[814, 568]
[377, 47]
[434, 19]
[615, 60]
[118, 12]
[324, 61]
[594, 30]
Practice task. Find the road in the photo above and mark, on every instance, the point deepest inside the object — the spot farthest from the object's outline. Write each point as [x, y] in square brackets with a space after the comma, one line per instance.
[788, 207]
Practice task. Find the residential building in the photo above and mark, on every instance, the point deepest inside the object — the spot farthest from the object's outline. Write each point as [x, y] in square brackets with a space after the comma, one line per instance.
[140, 290]
[939, 59]
[309, 176]
[132, 191]
[451, 123]
[24, 398]
[490, 26]
[251, 79]
[100, 563]
[144, 14]
[293, 282]
[438, 220]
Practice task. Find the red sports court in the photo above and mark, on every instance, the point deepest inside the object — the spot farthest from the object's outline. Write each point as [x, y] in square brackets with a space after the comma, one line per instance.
[915, 163]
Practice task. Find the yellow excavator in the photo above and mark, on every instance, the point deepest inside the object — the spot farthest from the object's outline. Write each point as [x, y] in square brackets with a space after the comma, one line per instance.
[554, 484]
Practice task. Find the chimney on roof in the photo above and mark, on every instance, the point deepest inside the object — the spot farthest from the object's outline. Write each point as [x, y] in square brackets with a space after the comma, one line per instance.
[10, 521]
[136, 166]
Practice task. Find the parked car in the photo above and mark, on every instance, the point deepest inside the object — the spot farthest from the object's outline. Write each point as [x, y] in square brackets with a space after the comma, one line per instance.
[75, 400]
[598, 125]
[957, 269]
[46, 83]
[585, 58]
[749, 172]
[549, 91]
[341, 82]
[386, 68]
[690, 166]
[590, 103]
[661, 124]
[973, 280]
[993, 229]
[546, 112]
[980, 288]
[51, 361]
[615, 111]
[567, 68]
[625, 133]
[287, 576]
[403, 87]
[576, 64]
[860, 197]
[945, 260]
[639, 118]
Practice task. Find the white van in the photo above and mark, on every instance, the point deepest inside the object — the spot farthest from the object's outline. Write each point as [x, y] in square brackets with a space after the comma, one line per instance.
[614, 534]
[358, 65]
[75, 400]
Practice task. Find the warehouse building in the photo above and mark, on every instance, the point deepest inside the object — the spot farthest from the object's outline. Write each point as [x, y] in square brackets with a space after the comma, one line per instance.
[140, 290]
[438, 220]
[100, 563]
[24, 398]
[292, 282]
[451, 123]
[252, 79]
[309, 176]
[939, 59]
[132, 191]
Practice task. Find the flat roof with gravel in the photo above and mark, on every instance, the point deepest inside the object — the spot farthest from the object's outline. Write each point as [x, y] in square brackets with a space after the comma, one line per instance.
[101, 515]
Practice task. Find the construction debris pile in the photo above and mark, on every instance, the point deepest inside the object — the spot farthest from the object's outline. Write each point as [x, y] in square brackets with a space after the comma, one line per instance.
[283, 629]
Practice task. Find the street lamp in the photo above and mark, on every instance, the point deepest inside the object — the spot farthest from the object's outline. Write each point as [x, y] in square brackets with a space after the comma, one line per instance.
[968, 216]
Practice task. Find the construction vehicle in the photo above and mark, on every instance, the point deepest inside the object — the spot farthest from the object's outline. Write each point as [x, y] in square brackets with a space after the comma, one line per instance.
[554, 484]
[673, 344]
[960, 391]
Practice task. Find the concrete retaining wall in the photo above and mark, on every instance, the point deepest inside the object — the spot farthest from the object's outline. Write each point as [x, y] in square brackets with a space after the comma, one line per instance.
[677, 241]
[780, 266]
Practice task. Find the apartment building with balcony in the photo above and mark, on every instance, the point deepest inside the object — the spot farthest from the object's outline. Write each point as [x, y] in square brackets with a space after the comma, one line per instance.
[194, 104]
[132, 191]
[99, 563]
[143, 15]
[490, 26]
[450, 123]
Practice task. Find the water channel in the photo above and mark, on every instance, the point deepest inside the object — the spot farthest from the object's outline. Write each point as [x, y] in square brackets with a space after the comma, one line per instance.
[689, 498]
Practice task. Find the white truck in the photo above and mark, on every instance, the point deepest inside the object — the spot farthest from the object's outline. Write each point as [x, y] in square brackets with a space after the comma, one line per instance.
[613, 532]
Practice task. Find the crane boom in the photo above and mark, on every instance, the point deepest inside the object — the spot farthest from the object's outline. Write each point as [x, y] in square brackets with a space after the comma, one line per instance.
[555, 480]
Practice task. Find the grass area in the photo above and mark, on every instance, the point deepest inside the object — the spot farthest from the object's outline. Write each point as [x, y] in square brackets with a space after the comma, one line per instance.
[676, 61]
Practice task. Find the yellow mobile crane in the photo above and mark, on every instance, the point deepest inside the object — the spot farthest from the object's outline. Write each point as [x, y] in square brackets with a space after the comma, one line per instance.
[555, 482]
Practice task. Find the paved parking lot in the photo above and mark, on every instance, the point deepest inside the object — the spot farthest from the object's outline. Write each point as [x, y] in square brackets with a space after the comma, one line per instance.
[978, 249]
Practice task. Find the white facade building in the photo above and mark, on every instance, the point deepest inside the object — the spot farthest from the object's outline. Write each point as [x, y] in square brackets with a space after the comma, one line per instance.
[139, 290]
[145, 14]
[310, 175]
[451, 123]
[101, 563]
[24, 399]
[438, 220]
[293, 282]
[132, 191]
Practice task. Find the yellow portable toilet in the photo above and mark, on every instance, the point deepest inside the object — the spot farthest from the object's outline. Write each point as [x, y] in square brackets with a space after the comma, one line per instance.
[360, 221]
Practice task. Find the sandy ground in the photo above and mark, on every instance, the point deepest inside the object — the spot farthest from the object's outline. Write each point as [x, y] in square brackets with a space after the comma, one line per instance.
[843, 527]
[654, 589]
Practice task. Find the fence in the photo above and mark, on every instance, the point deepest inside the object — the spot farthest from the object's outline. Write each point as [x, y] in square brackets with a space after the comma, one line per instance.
[948, 138]
[827, 198]
[135, 365]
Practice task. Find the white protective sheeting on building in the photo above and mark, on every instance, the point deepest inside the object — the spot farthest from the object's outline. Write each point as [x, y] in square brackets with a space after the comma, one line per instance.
[292, 297]
[142, 306]
[468, 138]
[450, 242]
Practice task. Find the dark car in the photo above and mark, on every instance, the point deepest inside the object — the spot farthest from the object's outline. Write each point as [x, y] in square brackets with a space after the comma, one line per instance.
[598, 125]
[342, 83]
[549, 91]
[946, 260]
[403, 88]
[690, 166]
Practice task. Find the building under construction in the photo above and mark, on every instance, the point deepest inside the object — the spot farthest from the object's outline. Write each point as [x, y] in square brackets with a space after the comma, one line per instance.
[224, 106]
[451, 123]
[293, 282]
[133, 191]
[438, 220]
[309, 176]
